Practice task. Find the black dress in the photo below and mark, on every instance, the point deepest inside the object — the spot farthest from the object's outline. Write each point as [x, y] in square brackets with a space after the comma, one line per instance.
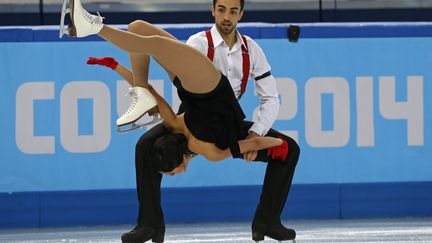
[214, 117]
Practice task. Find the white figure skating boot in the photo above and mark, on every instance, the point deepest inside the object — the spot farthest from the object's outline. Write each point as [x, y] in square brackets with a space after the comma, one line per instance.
[142, 102]
[82, 22]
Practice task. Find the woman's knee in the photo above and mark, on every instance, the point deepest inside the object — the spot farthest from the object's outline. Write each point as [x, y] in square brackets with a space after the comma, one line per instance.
[138, 27]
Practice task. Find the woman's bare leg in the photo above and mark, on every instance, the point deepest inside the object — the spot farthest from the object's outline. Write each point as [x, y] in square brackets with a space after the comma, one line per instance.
[140, 63]
[138, 75]
[196, 72]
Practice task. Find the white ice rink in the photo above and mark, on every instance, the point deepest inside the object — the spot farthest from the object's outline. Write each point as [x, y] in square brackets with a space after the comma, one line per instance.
[377, 230]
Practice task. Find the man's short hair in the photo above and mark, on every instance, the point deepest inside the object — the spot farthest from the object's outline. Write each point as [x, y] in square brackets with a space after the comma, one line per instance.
[242, 3]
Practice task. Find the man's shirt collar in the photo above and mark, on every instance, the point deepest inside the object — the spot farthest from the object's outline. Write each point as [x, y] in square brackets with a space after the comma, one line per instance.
[217, 38]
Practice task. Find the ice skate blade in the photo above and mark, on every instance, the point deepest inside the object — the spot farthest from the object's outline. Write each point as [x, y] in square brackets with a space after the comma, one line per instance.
[65, 11]
[126, 128]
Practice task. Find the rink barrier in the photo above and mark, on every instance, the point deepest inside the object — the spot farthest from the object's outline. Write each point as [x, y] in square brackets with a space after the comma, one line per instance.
[215, 204]
[254, 30]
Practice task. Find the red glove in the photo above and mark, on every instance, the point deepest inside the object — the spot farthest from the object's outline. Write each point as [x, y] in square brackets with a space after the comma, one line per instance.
[279, 152]
[103, 61]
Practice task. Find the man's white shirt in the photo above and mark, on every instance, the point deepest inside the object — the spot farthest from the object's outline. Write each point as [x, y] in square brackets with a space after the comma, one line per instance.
[230, 63]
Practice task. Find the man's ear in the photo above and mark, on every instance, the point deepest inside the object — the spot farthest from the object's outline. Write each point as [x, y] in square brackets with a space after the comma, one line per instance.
[241, 15]
[213, 11]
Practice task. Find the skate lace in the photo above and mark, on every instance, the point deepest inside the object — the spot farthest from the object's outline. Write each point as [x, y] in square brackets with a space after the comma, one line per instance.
[134, 95]
[92, 19]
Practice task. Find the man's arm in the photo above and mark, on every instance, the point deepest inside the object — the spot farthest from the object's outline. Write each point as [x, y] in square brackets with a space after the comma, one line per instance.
[268, 109]
[266, 89]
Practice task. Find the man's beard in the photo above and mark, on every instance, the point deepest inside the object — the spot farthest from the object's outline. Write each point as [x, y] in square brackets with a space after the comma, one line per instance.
[224, 30]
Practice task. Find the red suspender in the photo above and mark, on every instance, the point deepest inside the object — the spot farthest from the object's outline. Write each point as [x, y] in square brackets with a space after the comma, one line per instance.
[246, 65]
[245, 55]
[210, 50]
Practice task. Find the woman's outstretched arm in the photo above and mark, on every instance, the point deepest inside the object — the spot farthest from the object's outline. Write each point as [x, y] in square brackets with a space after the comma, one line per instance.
[171, 120]
[125, 73]
[114, 65]
[213, 153]
[258, 143]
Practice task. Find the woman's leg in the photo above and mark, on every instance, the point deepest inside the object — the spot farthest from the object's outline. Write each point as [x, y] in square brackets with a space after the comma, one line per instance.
[138, 76]
[140, 62]
[196, 72]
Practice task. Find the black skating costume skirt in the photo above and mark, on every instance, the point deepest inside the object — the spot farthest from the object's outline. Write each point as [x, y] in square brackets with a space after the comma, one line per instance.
[215, 117]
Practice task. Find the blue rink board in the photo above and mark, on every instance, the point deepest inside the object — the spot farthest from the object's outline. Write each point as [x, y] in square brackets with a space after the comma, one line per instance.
[215, 204]
[47, 191]
[254, 30]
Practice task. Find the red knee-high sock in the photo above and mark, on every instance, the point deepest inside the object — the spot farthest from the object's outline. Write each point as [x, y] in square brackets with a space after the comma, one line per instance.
[103, 61]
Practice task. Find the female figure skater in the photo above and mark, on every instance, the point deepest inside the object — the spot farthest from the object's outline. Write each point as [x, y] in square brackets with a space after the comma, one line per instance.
[211, 123]
[173, 151]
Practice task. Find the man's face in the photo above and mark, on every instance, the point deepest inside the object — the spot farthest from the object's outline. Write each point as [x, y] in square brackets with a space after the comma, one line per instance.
[227, 14]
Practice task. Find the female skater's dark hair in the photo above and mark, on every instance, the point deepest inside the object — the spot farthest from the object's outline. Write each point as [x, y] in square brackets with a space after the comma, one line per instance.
[168, 151]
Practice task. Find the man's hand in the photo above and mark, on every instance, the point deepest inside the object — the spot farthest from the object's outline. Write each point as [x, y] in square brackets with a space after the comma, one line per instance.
[251, 155]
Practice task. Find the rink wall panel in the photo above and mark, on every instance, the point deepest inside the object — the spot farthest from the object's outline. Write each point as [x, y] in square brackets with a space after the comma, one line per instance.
[63, 164]
[215, 204]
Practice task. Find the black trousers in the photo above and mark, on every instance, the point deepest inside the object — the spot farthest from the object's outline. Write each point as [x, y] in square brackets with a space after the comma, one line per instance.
[277, 181]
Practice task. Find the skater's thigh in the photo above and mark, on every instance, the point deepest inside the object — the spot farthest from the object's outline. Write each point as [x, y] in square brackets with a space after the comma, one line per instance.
[144, 28]
[196, 72]
[170, 74]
